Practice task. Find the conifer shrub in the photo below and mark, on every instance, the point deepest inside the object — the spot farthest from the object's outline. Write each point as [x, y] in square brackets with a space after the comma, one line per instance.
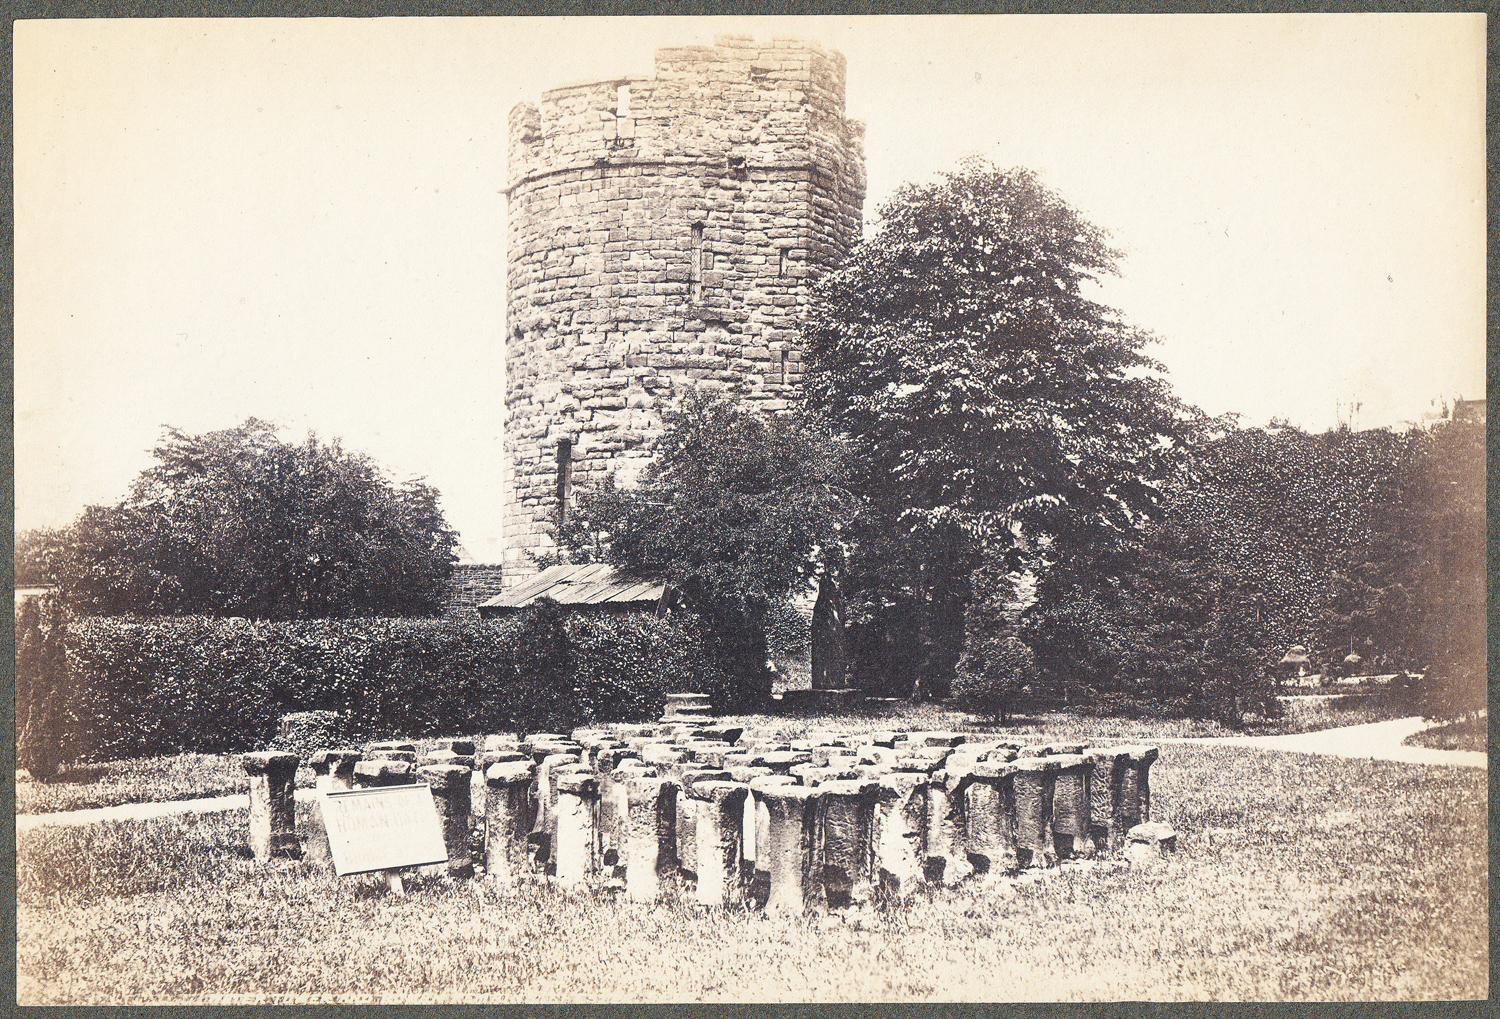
[992, 674]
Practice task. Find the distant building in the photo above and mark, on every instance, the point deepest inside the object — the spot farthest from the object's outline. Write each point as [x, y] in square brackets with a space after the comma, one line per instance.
[1469, 411]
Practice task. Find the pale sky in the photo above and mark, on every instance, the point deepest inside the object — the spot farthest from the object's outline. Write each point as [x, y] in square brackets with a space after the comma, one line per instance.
[301, 220]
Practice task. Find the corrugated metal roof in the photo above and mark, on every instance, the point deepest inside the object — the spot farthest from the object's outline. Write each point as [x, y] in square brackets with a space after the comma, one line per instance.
[578, 584]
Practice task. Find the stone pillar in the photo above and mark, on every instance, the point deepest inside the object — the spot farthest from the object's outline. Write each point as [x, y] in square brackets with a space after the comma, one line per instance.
[791, 848]
[687, 832]
[945, 850]
[613, 805]
[380, 773]
[1106, 780]
[1033, 780]
[687, 812]
[577, 802]
[544, 835]
[900, 823]
[758, 834]
[650, 835]
[334, 770]
[452, 797]
[847, 866]
[273, 806]
[1071, 807]
[720, 827]
[828, 652]
[1135, 790]
[990, 819]
[509, 814]
[748, 823]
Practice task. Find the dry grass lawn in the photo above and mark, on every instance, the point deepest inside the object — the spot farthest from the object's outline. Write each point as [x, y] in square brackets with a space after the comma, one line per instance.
[1297, 878]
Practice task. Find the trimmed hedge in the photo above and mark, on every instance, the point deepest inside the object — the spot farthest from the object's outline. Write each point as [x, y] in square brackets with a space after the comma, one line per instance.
[138, 687]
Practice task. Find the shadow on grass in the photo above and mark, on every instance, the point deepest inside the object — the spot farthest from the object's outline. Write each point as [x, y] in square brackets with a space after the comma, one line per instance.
[1469, 734]
[77, 774]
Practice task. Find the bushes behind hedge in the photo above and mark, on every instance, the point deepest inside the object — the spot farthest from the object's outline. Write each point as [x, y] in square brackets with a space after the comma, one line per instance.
[138, 687]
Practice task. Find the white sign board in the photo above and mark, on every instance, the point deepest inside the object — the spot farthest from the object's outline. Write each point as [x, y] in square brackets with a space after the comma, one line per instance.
[382, 829]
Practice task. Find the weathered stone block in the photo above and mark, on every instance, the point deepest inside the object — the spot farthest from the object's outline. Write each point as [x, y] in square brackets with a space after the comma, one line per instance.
[1106, 784]
[395, 745]
[650, 849]
[900, 831]
[1149, 842]
[451, 795]
[1071, 807]
[510, 813]
[1033, 782]
[445, 756]
[990, 820]
[719, 836]
[333, 770]
[374, 774]
[273, 809]
[846, 841]
[544, 835]
[577, 858]
[790, 848]
[946, 835]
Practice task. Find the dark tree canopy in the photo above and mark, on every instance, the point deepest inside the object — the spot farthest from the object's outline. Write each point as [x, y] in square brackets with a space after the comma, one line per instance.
[237, 522]
[736, 512]
[732, 503]
[1366, 543]
[996, 406]
[31, 556]
[957, 343]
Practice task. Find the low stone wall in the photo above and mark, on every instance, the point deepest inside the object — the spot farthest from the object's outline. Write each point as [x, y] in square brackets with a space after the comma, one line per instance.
[727, 816]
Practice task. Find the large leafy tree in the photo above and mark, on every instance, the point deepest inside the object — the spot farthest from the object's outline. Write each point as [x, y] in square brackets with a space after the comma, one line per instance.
[736, 512]
[32, 549]
[996, 405]
[1428, 575]
[1367, 543]
[237, 522]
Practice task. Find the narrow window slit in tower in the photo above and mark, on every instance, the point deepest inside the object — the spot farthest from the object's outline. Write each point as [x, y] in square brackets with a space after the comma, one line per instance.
[698, 257]
[622, 101]
[781, 364]
[564, 478]
[781, 266]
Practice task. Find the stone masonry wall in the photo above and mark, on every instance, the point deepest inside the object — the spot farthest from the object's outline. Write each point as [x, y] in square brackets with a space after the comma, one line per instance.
[471, 584]
[664, 233]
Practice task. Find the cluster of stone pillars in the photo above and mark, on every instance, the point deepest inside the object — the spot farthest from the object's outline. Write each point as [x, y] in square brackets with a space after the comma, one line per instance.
[727, 816]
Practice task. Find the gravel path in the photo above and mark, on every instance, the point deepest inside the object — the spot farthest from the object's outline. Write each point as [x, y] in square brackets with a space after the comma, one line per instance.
[140, 811]
[1375, 741]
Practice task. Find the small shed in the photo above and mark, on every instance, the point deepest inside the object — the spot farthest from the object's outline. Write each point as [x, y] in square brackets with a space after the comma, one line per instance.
[579, 586]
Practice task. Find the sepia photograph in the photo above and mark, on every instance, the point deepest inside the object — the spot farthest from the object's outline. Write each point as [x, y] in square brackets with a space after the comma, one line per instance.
[905, 508]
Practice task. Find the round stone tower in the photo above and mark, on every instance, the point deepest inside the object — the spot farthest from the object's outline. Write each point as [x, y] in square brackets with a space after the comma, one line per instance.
[664, 234]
